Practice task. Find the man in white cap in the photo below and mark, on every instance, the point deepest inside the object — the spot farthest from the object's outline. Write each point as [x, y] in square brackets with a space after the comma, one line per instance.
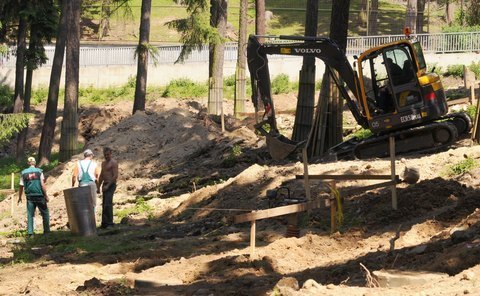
[86, 172]
[33, 182]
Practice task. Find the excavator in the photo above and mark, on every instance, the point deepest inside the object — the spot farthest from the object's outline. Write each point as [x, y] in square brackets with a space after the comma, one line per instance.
[387, 89]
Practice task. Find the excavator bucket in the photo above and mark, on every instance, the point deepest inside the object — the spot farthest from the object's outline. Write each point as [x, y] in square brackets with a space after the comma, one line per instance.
[278, 145]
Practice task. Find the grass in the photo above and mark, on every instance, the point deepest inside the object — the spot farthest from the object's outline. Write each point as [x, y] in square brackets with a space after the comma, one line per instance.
[8, 165]
[288, 19]
[60, 242]
[461, 167]
[140, 207]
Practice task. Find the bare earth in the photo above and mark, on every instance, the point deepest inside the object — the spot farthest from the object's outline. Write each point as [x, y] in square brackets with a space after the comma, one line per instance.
[192, 175]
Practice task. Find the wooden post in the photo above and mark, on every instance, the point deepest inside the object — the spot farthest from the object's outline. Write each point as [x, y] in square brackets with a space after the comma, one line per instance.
[12, 183]
[222, 120]
[252, 239]
[305, 174]
[333, 207]
[392, 166]
[475, 122]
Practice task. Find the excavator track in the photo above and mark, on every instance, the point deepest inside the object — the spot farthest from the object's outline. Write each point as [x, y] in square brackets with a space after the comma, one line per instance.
[461, 120]
[421, 139]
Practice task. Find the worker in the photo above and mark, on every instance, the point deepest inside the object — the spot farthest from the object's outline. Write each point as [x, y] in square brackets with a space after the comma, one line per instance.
[86, 172]
[108, 178]
[32, 182]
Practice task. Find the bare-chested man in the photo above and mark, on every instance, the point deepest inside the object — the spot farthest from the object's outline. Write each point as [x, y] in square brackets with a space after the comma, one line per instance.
[108, 178]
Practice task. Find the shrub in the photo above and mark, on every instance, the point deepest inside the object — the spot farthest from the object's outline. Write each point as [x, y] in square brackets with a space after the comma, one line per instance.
[6, 95]
[454, 70]
[39, 95]
[281, 84]
[184, 88]
[475, 68]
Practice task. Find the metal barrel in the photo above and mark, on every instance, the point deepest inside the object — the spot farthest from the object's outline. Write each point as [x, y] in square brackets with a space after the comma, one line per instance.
[81, 217]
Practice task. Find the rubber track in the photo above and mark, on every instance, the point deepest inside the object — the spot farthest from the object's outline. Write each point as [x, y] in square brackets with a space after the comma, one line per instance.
[352, 149]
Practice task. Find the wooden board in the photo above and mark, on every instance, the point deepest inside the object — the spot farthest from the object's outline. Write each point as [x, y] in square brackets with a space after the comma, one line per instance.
[278, 211]
[348, 177]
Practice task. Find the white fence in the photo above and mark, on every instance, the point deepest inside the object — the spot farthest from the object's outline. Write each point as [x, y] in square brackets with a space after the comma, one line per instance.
[102, 55]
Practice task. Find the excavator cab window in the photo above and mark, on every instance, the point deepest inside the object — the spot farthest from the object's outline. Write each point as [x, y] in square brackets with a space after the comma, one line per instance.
[404, 83]
[377, 85]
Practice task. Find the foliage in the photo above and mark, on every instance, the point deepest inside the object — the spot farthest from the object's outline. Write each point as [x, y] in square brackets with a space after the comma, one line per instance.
[141, 207]
[472, 13]
[434, 68]
[454, 70]
[11, 124]
[6, 95]
[151, 49]
[281, 84]
[8, 165]
[3, 49]
[459, 28]
[361, 134]
[232, 157]
[195, 29]
[475, 68]
[184, 88]
[102, 11]
[462, 167]
[471, 111]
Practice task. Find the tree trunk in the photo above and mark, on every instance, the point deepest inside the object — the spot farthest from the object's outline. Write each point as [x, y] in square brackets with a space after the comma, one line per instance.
[69, 134]
[240, 73]
[328, 121]
[218, 19]
[142, 55]
[306, 90]
[49, 121]
[19, 78]
[260, 25]
[449, 12]
[362, 19]
[373, 19]
[411, 16]
[420, 16]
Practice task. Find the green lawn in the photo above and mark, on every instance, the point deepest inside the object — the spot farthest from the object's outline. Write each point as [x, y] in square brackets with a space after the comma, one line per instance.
[288, 19]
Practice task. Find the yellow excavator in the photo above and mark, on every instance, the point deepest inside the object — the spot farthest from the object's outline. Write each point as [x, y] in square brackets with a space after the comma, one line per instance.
[388, 90]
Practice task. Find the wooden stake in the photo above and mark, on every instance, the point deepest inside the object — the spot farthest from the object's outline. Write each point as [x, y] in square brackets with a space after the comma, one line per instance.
[305, 174]
[392, 166]
[333, 208]
[252, 240]
[13, 195]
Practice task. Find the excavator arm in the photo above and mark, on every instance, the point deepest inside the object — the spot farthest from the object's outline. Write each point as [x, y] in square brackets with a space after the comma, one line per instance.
[322, 48]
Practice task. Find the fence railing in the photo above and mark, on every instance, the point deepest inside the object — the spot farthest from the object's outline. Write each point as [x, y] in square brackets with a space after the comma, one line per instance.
[102, 55]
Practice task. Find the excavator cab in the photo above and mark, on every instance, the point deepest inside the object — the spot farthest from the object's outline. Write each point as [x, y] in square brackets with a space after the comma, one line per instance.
[398, 93]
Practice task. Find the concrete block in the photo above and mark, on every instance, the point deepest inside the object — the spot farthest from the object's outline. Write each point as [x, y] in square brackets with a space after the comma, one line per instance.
[399, 278]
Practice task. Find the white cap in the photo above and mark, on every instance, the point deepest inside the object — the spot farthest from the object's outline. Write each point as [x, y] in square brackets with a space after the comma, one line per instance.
[88, 152]
[31, 159]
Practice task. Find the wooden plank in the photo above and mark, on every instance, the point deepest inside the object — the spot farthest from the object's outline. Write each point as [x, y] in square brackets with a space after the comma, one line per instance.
[458, 101]
[275, 212]
[348, 177]
[368, 187]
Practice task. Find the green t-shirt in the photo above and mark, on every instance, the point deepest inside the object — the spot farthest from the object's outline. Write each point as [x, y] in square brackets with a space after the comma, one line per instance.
[32, 183]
